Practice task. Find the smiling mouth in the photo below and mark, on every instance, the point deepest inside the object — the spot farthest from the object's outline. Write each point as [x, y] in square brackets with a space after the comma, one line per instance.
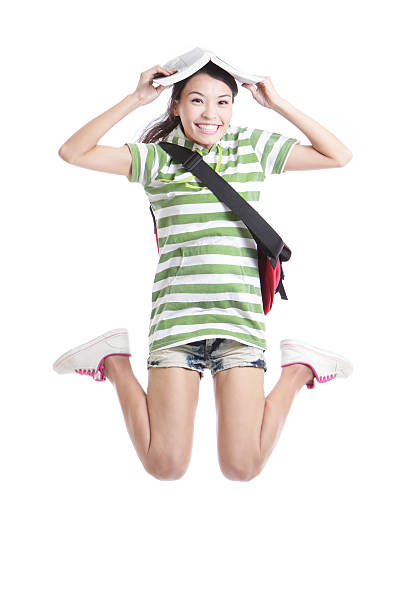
[207, 128]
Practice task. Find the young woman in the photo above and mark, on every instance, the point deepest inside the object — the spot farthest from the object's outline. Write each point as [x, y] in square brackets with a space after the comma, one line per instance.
[206, 303]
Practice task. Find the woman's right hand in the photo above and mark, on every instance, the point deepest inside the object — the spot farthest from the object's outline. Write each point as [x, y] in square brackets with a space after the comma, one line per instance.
[145, 91]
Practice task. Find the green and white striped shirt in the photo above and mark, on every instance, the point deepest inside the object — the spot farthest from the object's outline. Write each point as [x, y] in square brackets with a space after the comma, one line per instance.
[207, 281]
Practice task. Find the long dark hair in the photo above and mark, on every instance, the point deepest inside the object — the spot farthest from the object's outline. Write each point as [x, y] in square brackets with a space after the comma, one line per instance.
[167, 122]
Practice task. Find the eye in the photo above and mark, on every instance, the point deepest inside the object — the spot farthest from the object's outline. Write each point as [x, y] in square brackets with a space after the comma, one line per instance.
[199, 100]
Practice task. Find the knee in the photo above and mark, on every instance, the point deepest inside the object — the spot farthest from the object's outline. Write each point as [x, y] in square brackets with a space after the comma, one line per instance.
[167, 468]
[240, 469]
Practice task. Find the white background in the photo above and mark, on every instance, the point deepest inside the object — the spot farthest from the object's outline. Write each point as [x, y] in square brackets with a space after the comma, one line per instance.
[83, 526]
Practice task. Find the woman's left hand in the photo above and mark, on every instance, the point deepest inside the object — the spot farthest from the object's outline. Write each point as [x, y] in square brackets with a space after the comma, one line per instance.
[264, 92]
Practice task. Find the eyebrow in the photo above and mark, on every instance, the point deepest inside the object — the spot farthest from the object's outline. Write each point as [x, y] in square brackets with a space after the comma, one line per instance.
[201, 94]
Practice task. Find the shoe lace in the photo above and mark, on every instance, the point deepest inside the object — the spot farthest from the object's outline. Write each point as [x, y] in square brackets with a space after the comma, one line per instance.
[87, 372]
[97, 374]
[323, 379]
[100, 370]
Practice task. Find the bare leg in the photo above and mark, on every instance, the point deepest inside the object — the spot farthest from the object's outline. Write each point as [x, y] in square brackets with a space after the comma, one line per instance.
[133, 401]
[248, 423]
[277, 406]
[160, 422]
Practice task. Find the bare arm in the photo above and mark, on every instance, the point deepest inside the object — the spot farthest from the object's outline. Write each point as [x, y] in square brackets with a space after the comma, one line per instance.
[81, 149]
[326, 150]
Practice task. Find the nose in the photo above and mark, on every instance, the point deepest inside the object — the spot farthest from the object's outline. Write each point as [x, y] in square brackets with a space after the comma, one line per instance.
[209, 111]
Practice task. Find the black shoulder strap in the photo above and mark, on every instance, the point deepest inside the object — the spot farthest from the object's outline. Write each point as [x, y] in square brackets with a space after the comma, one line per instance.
[264, 235]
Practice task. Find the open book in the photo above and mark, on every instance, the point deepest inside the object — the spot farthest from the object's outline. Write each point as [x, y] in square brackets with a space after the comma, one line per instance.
[195, 59]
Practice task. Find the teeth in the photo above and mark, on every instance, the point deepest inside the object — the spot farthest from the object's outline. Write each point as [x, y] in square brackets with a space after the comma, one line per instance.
[208, 128]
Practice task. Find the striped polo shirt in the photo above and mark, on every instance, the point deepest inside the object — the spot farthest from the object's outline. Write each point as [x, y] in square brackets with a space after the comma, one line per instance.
[207, 281]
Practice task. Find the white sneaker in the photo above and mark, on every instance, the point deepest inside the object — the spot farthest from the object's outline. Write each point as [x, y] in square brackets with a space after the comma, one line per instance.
[325, 365]
[88, 358]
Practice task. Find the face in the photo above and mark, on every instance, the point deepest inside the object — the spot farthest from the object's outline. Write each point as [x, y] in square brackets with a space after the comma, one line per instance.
[205, 109]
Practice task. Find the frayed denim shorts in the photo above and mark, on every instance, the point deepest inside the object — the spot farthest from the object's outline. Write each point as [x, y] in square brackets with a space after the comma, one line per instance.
[215, 354]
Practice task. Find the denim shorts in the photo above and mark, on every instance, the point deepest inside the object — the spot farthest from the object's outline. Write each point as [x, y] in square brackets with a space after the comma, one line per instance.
[215, 354]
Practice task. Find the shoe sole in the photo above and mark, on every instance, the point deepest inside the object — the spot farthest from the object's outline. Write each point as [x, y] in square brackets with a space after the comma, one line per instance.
[344, 364]
[86, 345]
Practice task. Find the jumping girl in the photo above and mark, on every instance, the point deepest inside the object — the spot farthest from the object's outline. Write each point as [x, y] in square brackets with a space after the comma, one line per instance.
[206, 302]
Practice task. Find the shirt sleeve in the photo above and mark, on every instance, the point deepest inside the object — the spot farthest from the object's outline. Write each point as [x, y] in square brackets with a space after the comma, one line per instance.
[144, 162]
[272, 150]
